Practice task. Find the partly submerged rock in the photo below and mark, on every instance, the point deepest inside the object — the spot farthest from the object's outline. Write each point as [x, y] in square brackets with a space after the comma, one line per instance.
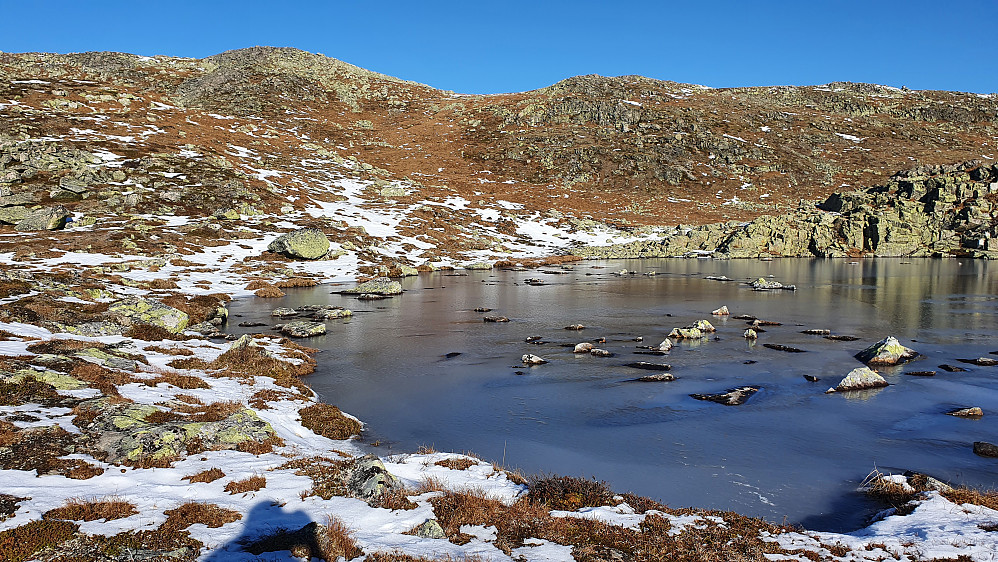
[691, 333]
[704, 326]
[333, 314]
[657, 377]
[284, 312]
[980, 361]
[887, 351]
[972, 412]
[138, 310]
[723, 311]
[495, 319]
[750, 334]
[860, 378]
[985, 449]
[666, 345]
[529, 359]
[304, 243]
[597, 352]
[575, 327]
[377, 286]
[733, 397]
[584, 347]
[649, 366]
[303, 329]
[762, 284]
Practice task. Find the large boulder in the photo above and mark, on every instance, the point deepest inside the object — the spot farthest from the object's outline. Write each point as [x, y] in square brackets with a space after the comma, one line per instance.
[138, 310]
[304, 243]
[377, 286]
[303, 329]
[887, 351]
[49, 218]
[860, 378]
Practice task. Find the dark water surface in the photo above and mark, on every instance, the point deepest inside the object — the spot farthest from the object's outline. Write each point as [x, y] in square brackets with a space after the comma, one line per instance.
[790, 451]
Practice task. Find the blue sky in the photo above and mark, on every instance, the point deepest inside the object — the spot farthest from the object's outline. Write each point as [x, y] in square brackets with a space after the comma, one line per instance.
[487, 47]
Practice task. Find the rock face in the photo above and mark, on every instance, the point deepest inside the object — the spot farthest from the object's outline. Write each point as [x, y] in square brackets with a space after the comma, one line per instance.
[887, 351]
[304, 243]
[860, 379]
[377, 286]
[944, 210]
[137, 310]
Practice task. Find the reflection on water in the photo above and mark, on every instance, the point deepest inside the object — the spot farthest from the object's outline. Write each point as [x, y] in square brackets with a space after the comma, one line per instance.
[791, 450]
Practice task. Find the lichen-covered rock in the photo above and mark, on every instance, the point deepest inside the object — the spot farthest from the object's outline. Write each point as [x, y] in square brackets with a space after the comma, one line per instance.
[750, 334]
[138, 310]
[430, 529]
[860, 378]
[304, 243]
[723, 311]
[50, 218]
[129, 434]
[686, 333]
[58, 381]
[704, 326]
[972, 412]
[887, 351]
[367, 478]
[92, 329]
[303, 329]
[283, 312]
[481, 265]
[377, 286]
[597, 352]
[666, 345]
[333, 314]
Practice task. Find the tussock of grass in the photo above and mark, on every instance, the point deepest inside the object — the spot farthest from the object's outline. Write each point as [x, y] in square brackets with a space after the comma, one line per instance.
[21, 543]
[181, 351]
[324, 472]
[207, 514]
[325, 542]
[78, 509]
[205, 476]
[329, 421]
[198, 308]
[960, 496]
[148, 332]
[457, 464]
[395, 499]
[251, 484]
[269, 292]
[568, 493]
[296, 282]
[28, 390]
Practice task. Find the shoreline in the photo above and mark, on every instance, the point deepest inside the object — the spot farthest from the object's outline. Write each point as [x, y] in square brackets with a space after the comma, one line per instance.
[160, 383]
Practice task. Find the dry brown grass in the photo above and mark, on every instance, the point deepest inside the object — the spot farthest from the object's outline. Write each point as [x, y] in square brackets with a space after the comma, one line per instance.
[207, 514]
[28, 390]
[100, 377]
[199, 308]
[960, 496]
[214, 412]
[182, 351]
[296, 282]
[269, 292]
[256, 284]
[324, 472]
[395, 498]
[173, 378]
[21, 543]
[329, 421]
[148, 332]
[8, 505]
[457, 464]
[430, 484]
[251, 484]
[78, 509]
[205, 476]
[568, 493]
[396, 556]
[260, 398]
[160, 285]
[251, 361]
[325, 542]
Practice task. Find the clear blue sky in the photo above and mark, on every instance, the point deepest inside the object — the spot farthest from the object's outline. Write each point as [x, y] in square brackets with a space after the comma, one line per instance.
[475, 46]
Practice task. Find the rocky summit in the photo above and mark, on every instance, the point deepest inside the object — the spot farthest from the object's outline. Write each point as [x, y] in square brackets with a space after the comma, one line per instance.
[164, 157]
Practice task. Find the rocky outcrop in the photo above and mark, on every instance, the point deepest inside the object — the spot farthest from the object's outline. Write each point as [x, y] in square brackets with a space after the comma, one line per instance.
[927, 211]
[304, 243]
[138, 310]
[50, 218]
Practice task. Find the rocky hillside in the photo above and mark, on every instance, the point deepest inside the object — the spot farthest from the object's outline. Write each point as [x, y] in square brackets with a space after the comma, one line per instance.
[164, 156]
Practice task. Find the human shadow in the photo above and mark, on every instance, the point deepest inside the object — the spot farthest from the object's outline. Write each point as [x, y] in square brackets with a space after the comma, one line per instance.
[269, 528]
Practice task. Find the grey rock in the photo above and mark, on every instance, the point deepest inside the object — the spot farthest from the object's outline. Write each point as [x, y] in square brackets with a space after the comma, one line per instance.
[985, 449]
[733, 397]
[138, 310]
[93, 329]
[377, 286]
[304, 243]
[861, 378]
[303, 329]
[887, 351]
[333, 314]
[13, 215]
[50, 218]
[367, 478]
[284, 312]
[430, 529]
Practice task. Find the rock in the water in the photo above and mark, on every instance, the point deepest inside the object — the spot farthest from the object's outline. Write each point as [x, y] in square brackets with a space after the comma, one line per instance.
[762, 284]
[137, 310]
[691, 333]
[657, 377]
[584, 347]
[495, 319]
[887, 351]
[371, 297]
[284, 312]
[332, 314]
[705, 327]
[666, 345]
[973, 412]
[649, 366]
[575, 327]
[816, 332]
[597, 352]
[860, 378]
[781, 347]
[733, 397]
[985, 449]
[51, 218]
[377, 286]
[723, 311]
[980, 361]
[529, 359]
[750, 334]
[921, 373]
[304, 243]
[303, 329]
[811, 378]
[842, 338]
[952, 368]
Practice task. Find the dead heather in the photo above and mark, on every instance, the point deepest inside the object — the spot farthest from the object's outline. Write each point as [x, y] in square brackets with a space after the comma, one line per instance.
[192, 513]
[206, 476]
[569, 493]
[22, 543]
[199, 308]
[457, 463]
[172, 350]
[149, 332]
[269, 292]
[251, 484]
[329, 421]
[28, 390]
[962, 495]
[396, 556]
[9, 505]
[325, 473]
[78, 509]
[326, 542]
[40, 450]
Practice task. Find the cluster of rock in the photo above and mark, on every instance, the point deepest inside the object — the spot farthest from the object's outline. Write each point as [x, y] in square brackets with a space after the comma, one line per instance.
[35, 177]
[927, 211]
